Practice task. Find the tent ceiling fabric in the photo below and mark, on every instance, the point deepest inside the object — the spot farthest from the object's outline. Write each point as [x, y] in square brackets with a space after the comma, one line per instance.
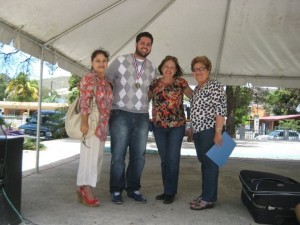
[248, 41]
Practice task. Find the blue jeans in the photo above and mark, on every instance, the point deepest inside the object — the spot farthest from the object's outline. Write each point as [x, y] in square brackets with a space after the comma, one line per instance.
[168, 141]
[127, 130]
[210, 171]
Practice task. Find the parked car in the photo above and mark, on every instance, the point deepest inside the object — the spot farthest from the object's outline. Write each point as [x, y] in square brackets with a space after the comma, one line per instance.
[279, 135]
[50, 120]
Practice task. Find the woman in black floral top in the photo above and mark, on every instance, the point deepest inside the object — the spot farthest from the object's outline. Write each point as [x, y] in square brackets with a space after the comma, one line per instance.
[208, 110]
[169, 122]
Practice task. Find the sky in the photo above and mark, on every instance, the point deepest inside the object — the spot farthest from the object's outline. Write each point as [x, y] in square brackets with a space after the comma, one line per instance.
[12, 68]
[48, 74]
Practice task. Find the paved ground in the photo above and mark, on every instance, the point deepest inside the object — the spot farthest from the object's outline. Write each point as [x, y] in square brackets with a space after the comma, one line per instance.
[65, 148]
[49, 197]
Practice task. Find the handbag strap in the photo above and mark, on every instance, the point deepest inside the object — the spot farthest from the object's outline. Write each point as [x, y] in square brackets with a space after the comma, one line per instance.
[93, 101]
[95, 85]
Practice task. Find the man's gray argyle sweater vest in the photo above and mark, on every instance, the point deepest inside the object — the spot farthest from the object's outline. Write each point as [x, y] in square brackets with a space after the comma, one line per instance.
[123, 76]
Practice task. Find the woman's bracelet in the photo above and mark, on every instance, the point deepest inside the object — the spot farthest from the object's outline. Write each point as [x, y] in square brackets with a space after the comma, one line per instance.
[218, 130]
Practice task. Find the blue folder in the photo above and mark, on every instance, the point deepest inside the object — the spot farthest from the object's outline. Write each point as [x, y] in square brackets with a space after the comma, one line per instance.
[220, 154]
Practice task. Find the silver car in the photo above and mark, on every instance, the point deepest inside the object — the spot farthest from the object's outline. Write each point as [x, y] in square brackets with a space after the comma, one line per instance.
[290, 135]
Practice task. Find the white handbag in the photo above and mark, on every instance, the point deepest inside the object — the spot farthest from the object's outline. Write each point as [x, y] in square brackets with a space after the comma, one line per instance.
[73, 119]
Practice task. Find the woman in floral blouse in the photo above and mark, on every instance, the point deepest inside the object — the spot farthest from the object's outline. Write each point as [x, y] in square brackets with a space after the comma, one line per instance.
[169, 122]
[91, 149]
[208, 110]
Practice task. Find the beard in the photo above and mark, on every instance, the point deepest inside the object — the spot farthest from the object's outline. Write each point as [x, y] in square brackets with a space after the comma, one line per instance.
[140, 54]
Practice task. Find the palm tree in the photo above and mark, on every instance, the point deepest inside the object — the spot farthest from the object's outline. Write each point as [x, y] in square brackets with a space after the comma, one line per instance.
[22, 89]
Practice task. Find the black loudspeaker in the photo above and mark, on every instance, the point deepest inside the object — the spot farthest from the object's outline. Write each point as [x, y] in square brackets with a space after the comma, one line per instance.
[11, 154]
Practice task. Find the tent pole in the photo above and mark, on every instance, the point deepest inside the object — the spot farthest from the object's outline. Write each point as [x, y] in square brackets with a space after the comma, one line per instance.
[39, 113]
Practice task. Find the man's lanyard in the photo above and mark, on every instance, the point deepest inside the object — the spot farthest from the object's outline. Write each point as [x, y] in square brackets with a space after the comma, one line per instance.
[138, 73]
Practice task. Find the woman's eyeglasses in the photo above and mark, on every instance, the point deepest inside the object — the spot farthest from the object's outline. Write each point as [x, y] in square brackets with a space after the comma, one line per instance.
[200, 69]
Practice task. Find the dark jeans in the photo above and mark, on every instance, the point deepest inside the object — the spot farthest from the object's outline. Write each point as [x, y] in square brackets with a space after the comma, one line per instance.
[168, 141]
[127, 130]
[210, 171]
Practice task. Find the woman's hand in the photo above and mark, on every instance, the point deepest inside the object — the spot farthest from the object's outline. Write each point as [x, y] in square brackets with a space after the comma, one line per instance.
[84, 127]
[188, 91]
[150, 95]
[189, 134]
[218, 139]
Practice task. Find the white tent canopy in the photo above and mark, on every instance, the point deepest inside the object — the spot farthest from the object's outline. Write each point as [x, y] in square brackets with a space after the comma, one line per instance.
[248, 41]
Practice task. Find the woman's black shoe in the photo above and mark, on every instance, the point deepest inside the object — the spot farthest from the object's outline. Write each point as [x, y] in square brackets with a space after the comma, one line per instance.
[160, 197]
[169, 199]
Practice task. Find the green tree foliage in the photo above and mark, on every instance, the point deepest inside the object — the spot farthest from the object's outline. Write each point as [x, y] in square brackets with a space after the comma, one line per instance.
[73, 87]
[259, 95]
[58, 126]
[290, 124]
[49, 96]
[22, 89]
[4, 79]
[283, 101]
[242, 106]
[2, 122]
[239, 100]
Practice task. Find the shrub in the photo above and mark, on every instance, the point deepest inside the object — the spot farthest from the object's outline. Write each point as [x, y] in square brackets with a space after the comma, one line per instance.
[30, 144]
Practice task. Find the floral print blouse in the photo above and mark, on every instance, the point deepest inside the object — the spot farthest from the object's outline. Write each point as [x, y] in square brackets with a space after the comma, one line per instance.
[104, 98]
[206, 103]
[167, 103]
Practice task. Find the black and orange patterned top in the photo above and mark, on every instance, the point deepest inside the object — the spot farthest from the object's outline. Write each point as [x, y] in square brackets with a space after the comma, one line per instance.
[167, 103]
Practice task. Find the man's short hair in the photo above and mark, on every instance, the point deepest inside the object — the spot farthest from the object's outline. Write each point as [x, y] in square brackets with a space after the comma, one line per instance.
[144, 34]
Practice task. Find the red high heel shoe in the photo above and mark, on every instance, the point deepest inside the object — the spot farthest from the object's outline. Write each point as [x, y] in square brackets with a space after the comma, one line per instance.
[83, 198]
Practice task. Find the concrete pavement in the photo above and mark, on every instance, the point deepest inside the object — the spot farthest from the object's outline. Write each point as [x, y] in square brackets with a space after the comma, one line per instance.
[65, 148]
[49, 197]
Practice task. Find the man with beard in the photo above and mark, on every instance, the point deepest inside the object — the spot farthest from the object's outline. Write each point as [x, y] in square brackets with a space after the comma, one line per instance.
[131, 76]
